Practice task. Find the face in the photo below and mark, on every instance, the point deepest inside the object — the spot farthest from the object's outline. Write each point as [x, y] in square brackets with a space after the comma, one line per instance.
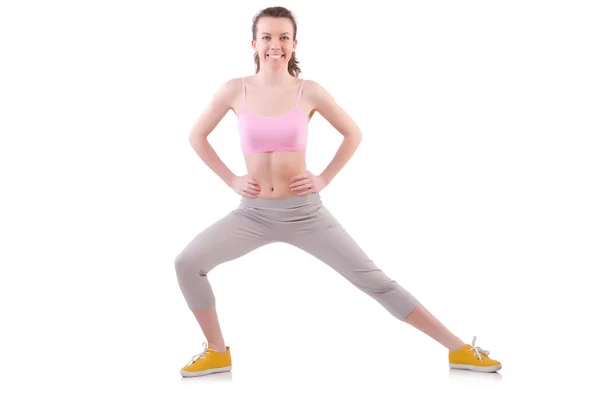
[274, 42]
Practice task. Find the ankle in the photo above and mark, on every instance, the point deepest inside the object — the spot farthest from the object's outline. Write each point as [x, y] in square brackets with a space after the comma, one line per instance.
[218, 348]
[456, 346]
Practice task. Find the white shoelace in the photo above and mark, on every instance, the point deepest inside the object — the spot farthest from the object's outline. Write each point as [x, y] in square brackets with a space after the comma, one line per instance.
[478, 350]
[201, 355]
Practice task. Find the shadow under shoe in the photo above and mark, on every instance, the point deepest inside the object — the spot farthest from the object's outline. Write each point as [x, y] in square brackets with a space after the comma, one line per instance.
[208, 361]
[473, 358]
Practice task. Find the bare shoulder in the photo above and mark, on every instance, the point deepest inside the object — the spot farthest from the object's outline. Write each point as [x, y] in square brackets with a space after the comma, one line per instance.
[317, 94]
[325, 104]
[228, 91]
[220, 103]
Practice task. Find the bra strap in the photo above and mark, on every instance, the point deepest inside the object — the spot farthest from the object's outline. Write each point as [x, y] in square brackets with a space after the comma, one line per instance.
[300, 92]
[243, 92]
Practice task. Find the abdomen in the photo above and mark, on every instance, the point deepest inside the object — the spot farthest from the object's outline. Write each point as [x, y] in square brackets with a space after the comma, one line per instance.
[274, 171]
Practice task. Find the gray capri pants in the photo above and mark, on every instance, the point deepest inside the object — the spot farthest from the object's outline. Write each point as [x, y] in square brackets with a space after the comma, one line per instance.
[302, 221]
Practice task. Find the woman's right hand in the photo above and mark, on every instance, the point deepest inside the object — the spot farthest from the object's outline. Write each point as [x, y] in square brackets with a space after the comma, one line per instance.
[245, 186]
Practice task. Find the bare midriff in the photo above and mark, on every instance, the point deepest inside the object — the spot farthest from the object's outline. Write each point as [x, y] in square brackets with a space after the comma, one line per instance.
[274, 172]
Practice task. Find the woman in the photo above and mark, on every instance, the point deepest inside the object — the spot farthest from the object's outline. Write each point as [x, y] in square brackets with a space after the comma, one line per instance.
[280, 198]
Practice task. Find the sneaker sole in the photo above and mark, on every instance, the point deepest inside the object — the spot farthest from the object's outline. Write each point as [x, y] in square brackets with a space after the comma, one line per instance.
[493, 368]
[188, 374]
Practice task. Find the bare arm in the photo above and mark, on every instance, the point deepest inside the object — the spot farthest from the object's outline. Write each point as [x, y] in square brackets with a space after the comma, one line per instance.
[342, 122]
[216, 109]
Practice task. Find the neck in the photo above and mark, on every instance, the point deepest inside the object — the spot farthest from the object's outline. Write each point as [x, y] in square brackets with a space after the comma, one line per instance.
[269, 77]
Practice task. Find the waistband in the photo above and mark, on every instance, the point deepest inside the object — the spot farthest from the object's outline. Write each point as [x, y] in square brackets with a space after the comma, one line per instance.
[286, 202]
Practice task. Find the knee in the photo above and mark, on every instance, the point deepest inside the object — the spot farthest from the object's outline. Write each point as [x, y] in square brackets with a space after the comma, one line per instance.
[372, 279]
[186, 265]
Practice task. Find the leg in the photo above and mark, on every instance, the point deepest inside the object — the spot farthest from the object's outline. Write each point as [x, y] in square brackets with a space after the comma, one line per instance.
[329, 242]
[425, 322]
[227, 239]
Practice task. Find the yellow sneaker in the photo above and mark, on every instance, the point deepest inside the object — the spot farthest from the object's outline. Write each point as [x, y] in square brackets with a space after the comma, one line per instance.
[209, 361]
[474, 358]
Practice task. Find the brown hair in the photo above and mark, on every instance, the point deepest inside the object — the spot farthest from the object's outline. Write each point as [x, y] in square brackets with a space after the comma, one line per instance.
[277, 12]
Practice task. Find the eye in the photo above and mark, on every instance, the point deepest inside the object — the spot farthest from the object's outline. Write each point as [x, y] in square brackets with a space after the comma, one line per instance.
[265, 37]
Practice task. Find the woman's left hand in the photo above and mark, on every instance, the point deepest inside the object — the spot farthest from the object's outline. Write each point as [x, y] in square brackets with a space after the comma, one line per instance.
[307, 183]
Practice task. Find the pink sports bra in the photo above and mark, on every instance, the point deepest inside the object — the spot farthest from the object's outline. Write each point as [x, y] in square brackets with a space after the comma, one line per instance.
[261, 134]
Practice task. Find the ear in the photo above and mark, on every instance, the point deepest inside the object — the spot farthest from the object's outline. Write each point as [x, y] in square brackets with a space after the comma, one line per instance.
[253, 44]
[295, 44]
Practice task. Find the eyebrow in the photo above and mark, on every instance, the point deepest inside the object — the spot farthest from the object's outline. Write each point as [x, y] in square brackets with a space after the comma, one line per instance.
[270, 33]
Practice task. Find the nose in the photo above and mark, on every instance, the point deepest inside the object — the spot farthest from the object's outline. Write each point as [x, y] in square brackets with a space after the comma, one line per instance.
[275, 44]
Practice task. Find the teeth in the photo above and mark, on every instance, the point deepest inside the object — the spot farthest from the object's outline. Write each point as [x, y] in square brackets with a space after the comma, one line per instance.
[274, 56]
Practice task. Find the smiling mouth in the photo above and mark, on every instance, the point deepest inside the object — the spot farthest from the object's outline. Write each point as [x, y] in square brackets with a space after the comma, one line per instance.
[275, 56]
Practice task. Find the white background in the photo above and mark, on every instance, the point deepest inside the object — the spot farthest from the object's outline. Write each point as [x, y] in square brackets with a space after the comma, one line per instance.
[476, 187]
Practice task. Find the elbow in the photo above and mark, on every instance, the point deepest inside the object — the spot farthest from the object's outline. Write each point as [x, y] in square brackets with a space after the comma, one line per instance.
[198, 143]
[195, 138]
[353, 135]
